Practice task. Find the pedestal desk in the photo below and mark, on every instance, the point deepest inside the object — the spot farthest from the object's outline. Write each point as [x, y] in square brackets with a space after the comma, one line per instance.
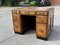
[39, 17]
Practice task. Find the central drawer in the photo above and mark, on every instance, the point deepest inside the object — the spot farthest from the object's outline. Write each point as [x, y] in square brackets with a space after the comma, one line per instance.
[24, 12]
[31, 12]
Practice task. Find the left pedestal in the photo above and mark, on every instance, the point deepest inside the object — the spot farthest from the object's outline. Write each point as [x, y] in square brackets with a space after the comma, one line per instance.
[16, 22]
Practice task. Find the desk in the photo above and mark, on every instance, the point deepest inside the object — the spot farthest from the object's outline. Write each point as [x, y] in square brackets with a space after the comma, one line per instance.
[39, 17]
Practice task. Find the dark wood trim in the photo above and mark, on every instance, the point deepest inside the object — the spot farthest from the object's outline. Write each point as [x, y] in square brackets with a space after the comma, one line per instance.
[42, 38]
[21, 32]
[47, 24]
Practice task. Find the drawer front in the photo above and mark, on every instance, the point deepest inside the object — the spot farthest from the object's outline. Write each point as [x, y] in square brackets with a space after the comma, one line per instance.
[17, 27]
[45, 13]
[24, 13]
[41, 19]
[15, 12]
[32, 13]
[16, 17]
[41, 13]
[41, 30]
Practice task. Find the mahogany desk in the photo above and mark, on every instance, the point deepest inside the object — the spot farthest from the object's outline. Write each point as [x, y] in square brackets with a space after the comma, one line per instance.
[39, 17]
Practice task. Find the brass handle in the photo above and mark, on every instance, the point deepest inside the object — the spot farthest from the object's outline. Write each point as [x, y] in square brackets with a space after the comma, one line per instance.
[41, 20]
[15, 17]
[41, 30]
[16, 26]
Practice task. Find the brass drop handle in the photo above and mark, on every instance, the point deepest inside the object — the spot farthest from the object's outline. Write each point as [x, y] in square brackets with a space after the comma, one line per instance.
[41, 30]
[41, 20]
[16, 26]
[16, 17]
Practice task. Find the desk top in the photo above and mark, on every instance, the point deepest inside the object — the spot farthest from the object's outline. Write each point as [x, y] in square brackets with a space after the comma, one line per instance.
[33, 9]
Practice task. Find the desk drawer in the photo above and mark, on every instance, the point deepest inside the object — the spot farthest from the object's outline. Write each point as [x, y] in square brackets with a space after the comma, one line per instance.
[45, 13]
[41, 13]
[16, 17]
[41, 19]
[24, 13]
[41, 30]
[17, 27]
[31, 12]
[15, 12]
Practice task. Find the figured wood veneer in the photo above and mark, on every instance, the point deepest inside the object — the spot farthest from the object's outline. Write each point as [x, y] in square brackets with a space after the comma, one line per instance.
[44, 20]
